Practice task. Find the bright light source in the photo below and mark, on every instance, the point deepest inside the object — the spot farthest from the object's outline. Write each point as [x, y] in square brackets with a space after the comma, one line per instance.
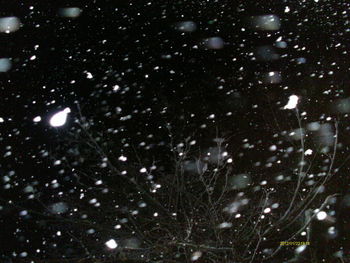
[59, 118]
[111, 244]
[292, 102]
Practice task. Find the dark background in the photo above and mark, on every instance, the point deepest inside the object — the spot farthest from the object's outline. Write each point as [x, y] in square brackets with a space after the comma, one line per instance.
[119, 43]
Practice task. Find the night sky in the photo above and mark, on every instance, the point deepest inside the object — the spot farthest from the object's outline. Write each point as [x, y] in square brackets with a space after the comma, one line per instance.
[140, 79]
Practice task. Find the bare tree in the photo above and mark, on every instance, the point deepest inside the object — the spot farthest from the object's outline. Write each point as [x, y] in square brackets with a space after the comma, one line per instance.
[195, 203]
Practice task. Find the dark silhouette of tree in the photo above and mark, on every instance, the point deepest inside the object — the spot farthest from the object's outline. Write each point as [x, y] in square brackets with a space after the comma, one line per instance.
[187, 202]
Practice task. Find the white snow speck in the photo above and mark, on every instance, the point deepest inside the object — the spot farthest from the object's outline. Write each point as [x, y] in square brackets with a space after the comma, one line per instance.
[28, 189]
[70, 12]
[5, 64]
[122, 158]
[93, 201]
[37, 119]
[59, 118]
[272, 77]
[99, 182]
[292, 102]
[300, 249]
[1, 119]
[23, 213]
[111, 244]
[186, 26]
[89, 75]
[267, 210]
[9, 24]
[321, 215]
[273, 148]
[308, 152]
[58, 208]
[225, 225]
[266, 22]
[196, 255]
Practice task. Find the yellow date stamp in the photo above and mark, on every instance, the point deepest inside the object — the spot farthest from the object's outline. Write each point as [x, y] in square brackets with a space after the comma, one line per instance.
[294, 243]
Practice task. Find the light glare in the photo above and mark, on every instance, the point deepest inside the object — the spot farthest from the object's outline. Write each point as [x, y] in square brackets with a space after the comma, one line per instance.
[59, 118]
